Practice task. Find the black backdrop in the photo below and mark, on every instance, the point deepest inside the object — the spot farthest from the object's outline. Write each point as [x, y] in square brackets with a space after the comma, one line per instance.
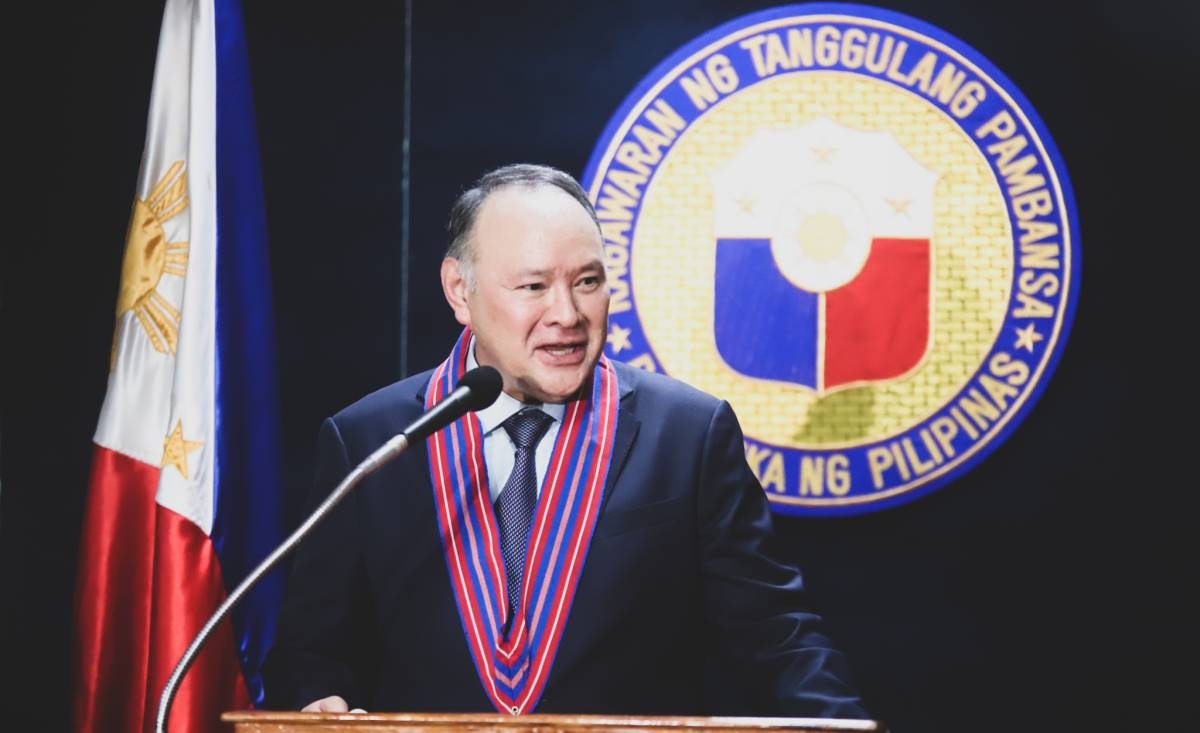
[1041, 587]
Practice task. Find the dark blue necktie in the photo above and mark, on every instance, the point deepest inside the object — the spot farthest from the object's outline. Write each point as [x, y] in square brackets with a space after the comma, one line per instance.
[516, 503]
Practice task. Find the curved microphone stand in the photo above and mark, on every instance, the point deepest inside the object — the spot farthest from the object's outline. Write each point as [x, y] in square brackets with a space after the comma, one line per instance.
[477, 389]
[374, 462]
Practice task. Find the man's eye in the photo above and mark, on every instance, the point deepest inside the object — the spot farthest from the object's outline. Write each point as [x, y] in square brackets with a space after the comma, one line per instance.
[532, 286]
[590, 282]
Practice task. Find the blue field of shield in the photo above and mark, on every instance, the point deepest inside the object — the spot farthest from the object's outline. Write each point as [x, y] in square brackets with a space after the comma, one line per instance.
[765, 327]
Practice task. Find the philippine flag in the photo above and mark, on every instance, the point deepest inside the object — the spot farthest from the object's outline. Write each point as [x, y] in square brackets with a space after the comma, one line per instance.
[823, 257]
[184, 492]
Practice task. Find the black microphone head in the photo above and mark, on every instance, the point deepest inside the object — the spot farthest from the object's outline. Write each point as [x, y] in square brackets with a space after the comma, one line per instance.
[485, 384]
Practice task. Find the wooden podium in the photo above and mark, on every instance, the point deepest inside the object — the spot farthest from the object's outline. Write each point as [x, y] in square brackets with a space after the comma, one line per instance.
[272, 722]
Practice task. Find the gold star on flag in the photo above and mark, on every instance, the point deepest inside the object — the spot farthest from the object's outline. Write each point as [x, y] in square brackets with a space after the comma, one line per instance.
[176, 449]
[1027, 337]
[823, 154]
[618, 338]
[899, 206]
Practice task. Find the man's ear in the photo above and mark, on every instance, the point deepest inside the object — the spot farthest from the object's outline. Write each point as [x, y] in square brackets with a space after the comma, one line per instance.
[455, 287]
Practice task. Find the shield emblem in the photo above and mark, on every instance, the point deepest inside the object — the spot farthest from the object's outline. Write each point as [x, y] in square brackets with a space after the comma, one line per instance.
[823, 257]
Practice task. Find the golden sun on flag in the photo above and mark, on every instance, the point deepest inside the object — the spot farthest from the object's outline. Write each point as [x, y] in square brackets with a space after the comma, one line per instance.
[149, 256]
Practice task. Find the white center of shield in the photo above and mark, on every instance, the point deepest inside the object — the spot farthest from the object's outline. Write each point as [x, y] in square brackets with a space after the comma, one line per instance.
[820, 238]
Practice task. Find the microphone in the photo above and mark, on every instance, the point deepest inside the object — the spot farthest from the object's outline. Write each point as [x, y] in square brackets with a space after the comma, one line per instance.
[476, 390]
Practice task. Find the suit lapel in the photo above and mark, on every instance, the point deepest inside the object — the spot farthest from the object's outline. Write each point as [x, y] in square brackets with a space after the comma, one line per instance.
[627, 430]
[576, 635]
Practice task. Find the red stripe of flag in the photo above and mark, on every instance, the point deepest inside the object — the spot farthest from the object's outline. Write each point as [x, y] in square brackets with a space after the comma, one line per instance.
[148, 580]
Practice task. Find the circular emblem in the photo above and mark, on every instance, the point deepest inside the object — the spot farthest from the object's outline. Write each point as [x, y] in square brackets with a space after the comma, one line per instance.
[854, 228]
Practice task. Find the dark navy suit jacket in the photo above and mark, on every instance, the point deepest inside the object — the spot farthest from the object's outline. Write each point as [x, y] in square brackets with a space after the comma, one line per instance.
[680, 609]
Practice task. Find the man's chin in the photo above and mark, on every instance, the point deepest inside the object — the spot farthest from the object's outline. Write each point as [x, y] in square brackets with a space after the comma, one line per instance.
[560, 388]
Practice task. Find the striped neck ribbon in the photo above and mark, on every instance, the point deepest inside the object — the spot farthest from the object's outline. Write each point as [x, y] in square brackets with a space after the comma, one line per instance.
[514, 667]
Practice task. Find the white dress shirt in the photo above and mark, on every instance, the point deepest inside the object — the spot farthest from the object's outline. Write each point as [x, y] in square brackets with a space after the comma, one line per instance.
[499, 452]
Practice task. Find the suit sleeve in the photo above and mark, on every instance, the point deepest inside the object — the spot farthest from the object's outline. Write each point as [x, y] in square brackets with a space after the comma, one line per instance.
[321, 643]
[767, 635]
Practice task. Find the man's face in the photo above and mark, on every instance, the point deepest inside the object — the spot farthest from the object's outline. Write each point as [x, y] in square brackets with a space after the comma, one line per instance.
[539, 308]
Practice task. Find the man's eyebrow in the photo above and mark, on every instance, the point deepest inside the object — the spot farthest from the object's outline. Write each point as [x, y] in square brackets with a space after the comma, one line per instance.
[593, 266]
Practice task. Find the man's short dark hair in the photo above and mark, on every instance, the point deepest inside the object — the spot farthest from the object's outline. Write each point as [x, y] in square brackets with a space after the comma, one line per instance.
[466, 207]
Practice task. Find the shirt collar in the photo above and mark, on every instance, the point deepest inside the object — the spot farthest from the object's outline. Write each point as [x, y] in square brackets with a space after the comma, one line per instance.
[506, 405]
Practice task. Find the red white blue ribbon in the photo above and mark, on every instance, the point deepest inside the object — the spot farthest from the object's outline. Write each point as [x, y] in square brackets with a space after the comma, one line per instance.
[514, 669]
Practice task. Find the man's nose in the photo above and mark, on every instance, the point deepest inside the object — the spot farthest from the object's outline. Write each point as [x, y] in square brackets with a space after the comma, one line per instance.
[562, 309]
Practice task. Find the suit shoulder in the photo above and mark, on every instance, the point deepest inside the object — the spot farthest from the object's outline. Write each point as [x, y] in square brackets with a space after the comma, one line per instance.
[661, 393]
[399, 401]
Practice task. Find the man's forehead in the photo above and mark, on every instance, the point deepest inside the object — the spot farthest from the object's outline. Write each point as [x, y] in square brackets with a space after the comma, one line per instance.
[520, 213]
[533, 196]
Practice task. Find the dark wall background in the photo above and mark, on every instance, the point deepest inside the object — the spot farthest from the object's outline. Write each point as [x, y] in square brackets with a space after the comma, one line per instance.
[1041, 592]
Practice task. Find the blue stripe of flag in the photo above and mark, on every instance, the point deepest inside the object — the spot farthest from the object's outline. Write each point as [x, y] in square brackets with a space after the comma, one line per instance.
[247, 524]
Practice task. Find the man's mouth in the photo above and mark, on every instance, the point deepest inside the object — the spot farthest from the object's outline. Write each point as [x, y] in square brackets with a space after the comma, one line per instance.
[564, 353]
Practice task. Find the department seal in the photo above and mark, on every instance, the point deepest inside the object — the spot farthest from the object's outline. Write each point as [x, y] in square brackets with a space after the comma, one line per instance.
[854, 228]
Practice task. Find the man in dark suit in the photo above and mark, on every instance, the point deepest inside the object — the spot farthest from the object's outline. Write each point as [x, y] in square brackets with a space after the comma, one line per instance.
[593, 542]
